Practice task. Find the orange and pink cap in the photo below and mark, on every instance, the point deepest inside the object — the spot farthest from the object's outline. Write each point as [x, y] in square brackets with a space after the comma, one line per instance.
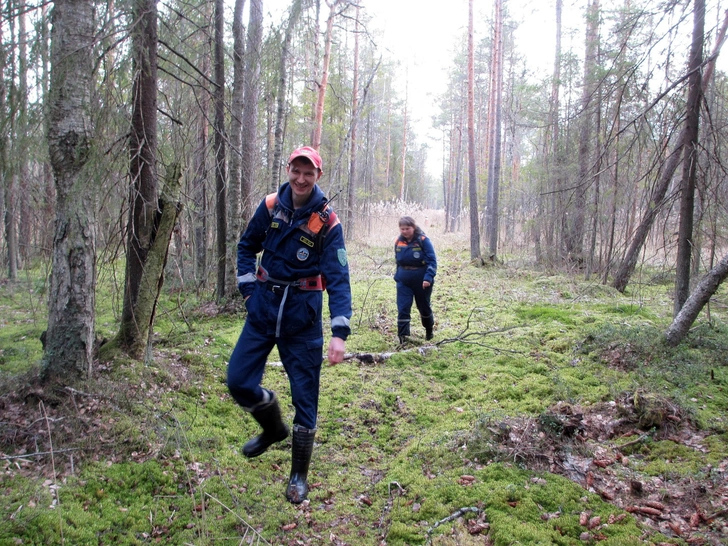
[310, 154]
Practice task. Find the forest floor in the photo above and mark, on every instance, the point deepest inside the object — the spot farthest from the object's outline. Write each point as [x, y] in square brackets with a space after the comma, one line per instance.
[531, 378]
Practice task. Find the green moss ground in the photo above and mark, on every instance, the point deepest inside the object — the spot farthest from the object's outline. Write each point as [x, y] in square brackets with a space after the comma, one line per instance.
[395, 437]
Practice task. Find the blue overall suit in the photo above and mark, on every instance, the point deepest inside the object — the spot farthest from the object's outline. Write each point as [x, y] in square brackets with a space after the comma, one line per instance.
[286, 300]
[416, 262]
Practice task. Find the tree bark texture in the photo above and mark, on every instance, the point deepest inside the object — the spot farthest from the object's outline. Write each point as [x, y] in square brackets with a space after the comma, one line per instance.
[9, 179]
[690, 160]
[472, 176]
[575, 214]
[152, 279]
[237, 101]
[70, 335]
[494, 156]
[220, 138]
[144, 192]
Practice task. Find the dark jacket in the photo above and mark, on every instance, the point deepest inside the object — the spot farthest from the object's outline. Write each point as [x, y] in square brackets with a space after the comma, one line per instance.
[418, 253]
[290, 253]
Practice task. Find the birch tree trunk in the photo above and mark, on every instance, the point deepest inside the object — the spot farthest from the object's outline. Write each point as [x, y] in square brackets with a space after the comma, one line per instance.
[70, 336]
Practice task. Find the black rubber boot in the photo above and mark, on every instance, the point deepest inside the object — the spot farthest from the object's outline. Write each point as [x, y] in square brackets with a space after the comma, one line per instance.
[429, 324]
[274, 430]
[300, 460]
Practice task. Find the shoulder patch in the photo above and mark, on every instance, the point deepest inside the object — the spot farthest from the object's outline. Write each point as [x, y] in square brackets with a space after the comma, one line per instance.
[341, 254]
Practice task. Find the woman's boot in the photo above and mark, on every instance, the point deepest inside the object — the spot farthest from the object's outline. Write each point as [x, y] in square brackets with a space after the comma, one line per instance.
[429, 324]
[300, 461]
[274, 430]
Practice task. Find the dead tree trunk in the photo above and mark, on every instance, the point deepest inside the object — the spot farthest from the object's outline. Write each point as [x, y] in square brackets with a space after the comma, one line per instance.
[152, 278]
[694, 304]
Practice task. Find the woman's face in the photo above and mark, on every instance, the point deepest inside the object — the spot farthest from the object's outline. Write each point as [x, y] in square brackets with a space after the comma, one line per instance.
[407, 231]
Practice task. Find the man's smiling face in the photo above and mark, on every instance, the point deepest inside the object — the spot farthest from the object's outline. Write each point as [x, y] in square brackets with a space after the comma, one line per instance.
[302, 176]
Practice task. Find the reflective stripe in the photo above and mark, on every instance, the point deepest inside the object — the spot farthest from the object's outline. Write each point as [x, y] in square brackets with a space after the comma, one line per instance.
[340, 321]
[280, 312]
[248, 277]
[267, 397]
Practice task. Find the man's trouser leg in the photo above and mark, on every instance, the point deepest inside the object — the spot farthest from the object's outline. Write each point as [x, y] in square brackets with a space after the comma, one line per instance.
[302, 357]
[245, 372]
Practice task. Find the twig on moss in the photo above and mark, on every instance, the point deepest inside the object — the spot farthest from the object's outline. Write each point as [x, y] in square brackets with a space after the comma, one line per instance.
[639, 440]
[248, 528]
[36, 454]
[453, 516]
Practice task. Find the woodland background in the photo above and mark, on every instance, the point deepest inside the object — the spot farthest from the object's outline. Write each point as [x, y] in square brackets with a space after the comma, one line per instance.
[138, 131]
[137, 137]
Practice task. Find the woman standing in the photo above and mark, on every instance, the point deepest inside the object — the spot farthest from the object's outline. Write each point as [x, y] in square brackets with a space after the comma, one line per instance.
[416, 270]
